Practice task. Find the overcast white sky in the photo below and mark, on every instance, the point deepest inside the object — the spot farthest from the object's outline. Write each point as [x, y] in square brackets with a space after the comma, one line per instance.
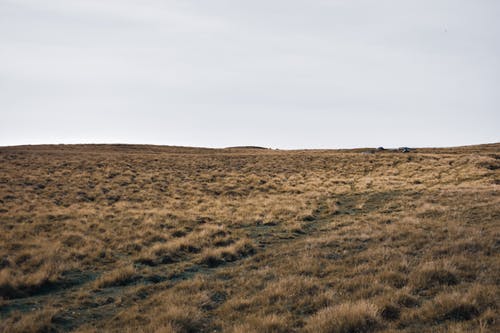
[274, 73]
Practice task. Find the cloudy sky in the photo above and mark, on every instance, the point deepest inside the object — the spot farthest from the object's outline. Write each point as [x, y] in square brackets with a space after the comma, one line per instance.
[274, 73]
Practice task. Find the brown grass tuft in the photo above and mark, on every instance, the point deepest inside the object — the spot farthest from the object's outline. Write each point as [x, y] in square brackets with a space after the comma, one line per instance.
[457, 306]
[432, 275]
[263, 324]
[32, 322]
[214, 257]
[118, 277]
[349, 317]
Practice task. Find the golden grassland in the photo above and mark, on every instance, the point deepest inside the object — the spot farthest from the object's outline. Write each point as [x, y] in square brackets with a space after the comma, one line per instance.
[127, 238]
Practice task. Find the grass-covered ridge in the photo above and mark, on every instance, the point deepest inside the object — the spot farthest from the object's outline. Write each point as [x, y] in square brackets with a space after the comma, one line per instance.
[173, 239]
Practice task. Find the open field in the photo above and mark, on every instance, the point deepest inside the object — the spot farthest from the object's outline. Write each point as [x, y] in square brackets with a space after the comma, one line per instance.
[165, 239]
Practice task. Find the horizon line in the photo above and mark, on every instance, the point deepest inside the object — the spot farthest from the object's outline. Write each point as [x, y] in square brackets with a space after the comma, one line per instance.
[239, 146]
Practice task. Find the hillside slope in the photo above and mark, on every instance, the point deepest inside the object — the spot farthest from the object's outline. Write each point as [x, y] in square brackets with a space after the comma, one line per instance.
[175, 239]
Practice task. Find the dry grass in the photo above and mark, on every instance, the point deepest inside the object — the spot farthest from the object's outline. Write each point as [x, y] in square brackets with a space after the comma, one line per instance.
[345, 318]
[263, 324]
[163, 239]
[118, 277]
[41, 267]
[31, 322]
[216, 256]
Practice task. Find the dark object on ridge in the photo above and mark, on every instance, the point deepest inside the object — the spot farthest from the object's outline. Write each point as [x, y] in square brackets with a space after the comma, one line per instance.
[404, 149]
[380, 148]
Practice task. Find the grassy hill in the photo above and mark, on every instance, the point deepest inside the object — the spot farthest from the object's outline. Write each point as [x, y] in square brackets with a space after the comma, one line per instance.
[142, 238]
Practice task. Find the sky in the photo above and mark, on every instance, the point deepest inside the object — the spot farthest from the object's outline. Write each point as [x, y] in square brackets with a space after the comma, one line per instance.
[275, 73]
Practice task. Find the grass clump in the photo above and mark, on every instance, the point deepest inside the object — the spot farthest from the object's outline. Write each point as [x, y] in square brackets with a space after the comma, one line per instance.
[460, 306]
[433, 275]
[43, 274]
[213, 257]
[117, 277]
[32, 322]
[350, 317]
[272, 323]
